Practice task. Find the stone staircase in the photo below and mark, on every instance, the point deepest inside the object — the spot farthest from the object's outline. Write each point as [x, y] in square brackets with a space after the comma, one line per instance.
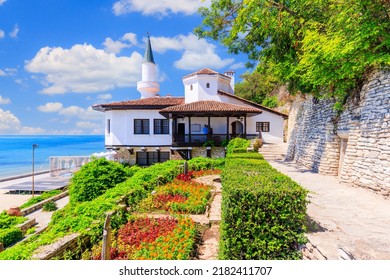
[274, 151]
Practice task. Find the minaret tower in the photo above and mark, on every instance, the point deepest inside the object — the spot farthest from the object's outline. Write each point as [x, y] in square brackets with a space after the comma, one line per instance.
[148, 86]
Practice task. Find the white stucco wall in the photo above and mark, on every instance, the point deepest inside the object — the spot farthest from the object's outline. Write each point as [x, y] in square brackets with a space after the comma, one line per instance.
[122, 129]
[275, 135]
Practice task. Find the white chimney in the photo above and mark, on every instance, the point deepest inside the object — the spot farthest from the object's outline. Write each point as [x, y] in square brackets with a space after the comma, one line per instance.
[230, 73]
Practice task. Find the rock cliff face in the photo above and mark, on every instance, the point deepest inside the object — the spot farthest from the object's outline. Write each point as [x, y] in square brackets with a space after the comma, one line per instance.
[354, 146]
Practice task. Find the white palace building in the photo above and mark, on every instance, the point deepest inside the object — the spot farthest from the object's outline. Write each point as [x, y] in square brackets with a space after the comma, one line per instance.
[156, 128]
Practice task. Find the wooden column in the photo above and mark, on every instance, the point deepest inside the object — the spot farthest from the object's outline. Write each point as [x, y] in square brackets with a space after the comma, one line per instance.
[174, 129]
[227, 128]
[245, 126]
[189, 129]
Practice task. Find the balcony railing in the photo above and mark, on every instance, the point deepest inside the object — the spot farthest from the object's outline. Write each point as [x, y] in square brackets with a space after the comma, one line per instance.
[199, 140]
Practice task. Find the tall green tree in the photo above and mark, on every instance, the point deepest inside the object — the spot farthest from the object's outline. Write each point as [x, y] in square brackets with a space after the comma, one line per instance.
[324, 47]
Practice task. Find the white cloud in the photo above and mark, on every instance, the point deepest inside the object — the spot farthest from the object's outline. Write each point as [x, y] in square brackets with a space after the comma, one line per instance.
[238, 65]
[31, 130]
[4, 101]
[14, 32]
[8, 72]
[81, 113]
[131, 38]
[84, 68]
[127, 40]
[106, 96]
[2, 2]
[2, 34]
[198, 53]
[9, 123]
[112, 46]
[158, 7]
[88, 125]
[50, 107]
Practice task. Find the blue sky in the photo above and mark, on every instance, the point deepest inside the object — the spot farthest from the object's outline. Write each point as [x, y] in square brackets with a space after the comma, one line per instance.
[57, 58]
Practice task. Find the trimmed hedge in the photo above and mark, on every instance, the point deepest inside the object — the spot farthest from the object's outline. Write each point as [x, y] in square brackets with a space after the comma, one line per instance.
[201, 163]
[237, 143]
[245, 155]
[263, 211]
[10, 236]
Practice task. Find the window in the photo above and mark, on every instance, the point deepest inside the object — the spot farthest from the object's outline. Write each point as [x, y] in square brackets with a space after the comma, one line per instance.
[191, 87]
[262, 126]
[208, 85]
[141, 126]
[108, 126]
[161, 126]
[149, 158]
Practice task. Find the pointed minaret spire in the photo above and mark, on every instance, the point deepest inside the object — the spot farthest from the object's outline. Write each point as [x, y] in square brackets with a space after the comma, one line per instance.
[148, 86]
[148, 56]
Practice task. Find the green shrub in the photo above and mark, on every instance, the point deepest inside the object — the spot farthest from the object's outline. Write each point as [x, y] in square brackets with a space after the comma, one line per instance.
[49, 206]
[87, 218]
[7, 221]
[239, 150]
[237, 143]
[245, 155]
[201, 163]
[94, 178]
[10, 236]
[263, 212]
[40, 198]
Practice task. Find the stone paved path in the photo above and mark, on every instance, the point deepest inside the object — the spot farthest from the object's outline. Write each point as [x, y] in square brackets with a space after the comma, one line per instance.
[347, 222]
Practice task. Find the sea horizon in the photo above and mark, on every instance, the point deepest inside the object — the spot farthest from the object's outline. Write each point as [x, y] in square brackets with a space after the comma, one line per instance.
[16, 151]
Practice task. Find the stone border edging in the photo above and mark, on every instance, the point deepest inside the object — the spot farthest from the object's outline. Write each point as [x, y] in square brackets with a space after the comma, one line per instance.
[39, 205]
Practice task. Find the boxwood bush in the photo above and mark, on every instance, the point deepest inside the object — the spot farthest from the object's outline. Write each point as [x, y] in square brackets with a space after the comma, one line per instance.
[237, 143]
[201, 163]
[263, 212]
[10, 236]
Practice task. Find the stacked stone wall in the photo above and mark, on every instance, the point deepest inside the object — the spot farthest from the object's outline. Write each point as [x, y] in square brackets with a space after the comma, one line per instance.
[316, 133]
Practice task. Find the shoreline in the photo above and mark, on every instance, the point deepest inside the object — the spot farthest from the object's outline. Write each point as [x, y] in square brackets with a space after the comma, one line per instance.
[25, 175]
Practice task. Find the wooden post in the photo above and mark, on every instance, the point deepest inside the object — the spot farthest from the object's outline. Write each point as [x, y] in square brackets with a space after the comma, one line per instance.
[106, 249]
[185, 167]
[1, 247]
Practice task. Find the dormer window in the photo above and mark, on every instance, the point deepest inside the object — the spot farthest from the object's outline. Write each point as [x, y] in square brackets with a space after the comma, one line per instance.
[208, 85]
[191, 87]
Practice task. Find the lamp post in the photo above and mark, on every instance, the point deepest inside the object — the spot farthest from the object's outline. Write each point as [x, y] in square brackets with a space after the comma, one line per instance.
[34, 146]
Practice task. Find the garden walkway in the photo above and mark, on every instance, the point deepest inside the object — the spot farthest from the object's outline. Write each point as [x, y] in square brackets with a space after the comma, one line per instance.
[346, 222]
[208, 250]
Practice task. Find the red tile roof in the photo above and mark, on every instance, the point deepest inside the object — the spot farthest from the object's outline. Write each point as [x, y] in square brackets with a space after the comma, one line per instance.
[252, 103]
[145, 103]
[204, 71]
[209, 106]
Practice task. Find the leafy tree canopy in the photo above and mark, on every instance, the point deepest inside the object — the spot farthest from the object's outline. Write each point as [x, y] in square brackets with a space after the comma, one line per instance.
[315, 46]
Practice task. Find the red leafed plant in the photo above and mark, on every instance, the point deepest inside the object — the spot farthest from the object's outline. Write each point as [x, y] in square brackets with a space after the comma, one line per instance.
[131, 235]
[185, 177]
[162, 201]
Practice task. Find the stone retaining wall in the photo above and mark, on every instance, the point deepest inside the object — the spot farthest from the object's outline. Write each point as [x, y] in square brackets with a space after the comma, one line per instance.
[354, 146]
[39, 205]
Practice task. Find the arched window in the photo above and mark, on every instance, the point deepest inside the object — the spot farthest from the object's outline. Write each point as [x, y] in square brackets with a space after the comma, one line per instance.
[208, 85]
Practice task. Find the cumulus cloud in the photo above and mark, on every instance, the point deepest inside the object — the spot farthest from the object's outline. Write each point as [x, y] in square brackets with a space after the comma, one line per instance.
[2, 2]
[81, 113]
[112, 46]
[14, 32]
[158, 7]
[238, 65]
[198, 53]
[4, 101]
[83, 68]
[88, 125]
[10, 124]
[51, 107]
[8, 72]
[127, 40]
[2, 34]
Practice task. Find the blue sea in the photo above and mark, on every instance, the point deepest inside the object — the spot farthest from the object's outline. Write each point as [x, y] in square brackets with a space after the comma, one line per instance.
[16, 151]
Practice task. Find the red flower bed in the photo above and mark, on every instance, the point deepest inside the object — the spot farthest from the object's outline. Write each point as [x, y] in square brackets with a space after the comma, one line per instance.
[162, 201]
